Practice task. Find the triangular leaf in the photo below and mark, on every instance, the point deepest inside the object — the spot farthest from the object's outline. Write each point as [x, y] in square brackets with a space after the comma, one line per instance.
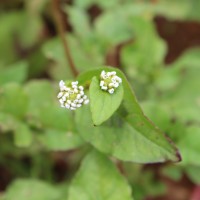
[130, 135]
[136, 141]
[99, 179]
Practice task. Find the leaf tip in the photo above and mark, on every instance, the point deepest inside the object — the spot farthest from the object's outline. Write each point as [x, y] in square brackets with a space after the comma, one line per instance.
[178, 155]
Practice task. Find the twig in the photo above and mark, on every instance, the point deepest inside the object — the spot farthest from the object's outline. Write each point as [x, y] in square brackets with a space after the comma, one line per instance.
[61, 31]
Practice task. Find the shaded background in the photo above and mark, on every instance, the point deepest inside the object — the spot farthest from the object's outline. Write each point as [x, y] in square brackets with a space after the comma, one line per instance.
[156, 43]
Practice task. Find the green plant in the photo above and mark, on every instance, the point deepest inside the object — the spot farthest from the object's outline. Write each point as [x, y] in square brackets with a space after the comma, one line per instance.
[109, 142]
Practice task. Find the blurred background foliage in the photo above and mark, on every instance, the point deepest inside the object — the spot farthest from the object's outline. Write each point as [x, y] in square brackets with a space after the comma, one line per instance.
[154, 42]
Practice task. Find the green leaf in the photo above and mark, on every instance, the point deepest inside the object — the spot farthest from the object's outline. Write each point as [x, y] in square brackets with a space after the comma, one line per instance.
[80, 22]
[29, 35]
[99, 179]
[110, 32]
[40, 92]
[60, 140]
[158, 112]
[13, 100]
[41, 95]
[148, 49]
[134, 140]
[22, 135]
[178, 86]
[14, 73]
[102, 103]
[129, 135]
[55, 117]
[24, 189]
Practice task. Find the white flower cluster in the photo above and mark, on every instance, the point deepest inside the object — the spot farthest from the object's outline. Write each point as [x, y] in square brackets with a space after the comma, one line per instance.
[72, 97]
[109, 81]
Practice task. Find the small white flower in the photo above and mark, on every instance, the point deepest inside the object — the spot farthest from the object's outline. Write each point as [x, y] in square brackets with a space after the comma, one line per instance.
[116, 85]
[104, 88]
[81, 93]
[118, 79]
[61, 83]
[109, 81]
[73, 96]
[78, 96]
[75, 90]
[60, 94]
[62, 88]
[111, 91]
[75, 83]
[101, 83]
[67, 106]
[111, 84]
[109, 74]
[113, 80]
[64, 98]
[84, 97]
[67, 89]
[61, 101]
[103, 73]
[80, 101]
[66, 94]
[86, 101]
[73, 105]
[69, 101]
[113, 73]
[81, 88]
